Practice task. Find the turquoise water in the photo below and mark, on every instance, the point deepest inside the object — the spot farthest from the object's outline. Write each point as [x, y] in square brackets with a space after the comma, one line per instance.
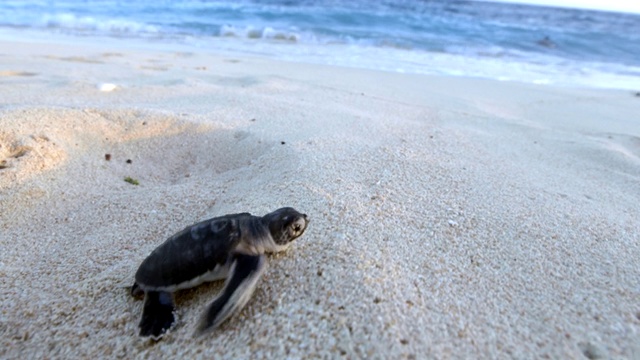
[470, 38]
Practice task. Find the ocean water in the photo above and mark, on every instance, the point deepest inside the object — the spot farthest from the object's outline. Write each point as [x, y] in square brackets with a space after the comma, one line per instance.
[468, 38]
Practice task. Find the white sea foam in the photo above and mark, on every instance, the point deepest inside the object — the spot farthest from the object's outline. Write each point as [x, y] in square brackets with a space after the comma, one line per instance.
[253, 32]
[66, 21]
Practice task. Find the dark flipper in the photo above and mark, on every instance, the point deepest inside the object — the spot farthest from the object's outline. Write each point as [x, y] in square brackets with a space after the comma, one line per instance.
[244, 274]
[157, 314]
[136, 291]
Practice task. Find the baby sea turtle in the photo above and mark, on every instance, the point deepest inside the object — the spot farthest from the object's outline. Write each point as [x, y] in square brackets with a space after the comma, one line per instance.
[230, 246]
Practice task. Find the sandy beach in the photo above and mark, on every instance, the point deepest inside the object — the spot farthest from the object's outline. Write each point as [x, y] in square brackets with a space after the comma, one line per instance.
[450, 217]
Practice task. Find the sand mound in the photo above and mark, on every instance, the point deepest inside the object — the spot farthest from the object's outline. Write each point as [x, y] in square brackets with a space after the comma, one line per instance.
[115, 144]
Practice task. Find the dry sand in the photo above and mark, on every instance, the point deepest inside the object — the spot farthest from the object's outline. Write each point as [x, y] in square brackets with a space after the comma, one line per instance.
[451, 217]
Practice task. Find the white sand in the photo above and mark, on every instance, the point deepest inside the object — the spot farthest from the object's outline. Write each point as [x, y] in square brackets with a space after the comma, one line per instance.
[451, 217]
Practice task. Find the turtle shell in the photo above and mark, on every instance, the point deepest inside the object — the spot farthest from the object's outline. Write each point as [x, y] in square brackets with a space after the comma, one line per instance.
[196, 253]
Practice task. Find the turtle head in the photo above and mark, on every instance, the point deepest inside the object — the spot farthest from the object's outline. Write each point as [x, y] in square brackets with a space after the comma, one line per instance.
[285, 225]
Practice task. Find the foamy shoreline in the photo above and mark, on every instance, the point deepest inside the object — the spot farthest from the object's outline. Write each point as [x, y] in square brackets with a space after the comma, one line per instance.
[450, 217]
[546, 70]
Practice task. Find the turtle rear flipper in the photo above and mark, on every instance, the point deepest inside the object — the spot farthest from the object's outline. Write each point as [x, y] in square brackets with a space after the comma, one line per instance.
[157, 314]
[244, 274]
[136, 291]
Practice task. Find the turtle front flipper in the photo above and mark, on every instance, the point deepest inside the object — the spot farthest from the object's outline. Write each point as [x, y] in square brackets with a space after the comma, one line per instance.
[244, 274]
[157, 314]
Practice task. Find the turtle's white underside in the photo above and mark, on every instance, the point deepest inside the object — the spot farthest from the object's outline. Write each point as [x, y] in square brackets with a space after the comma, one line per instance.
[218, 273]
